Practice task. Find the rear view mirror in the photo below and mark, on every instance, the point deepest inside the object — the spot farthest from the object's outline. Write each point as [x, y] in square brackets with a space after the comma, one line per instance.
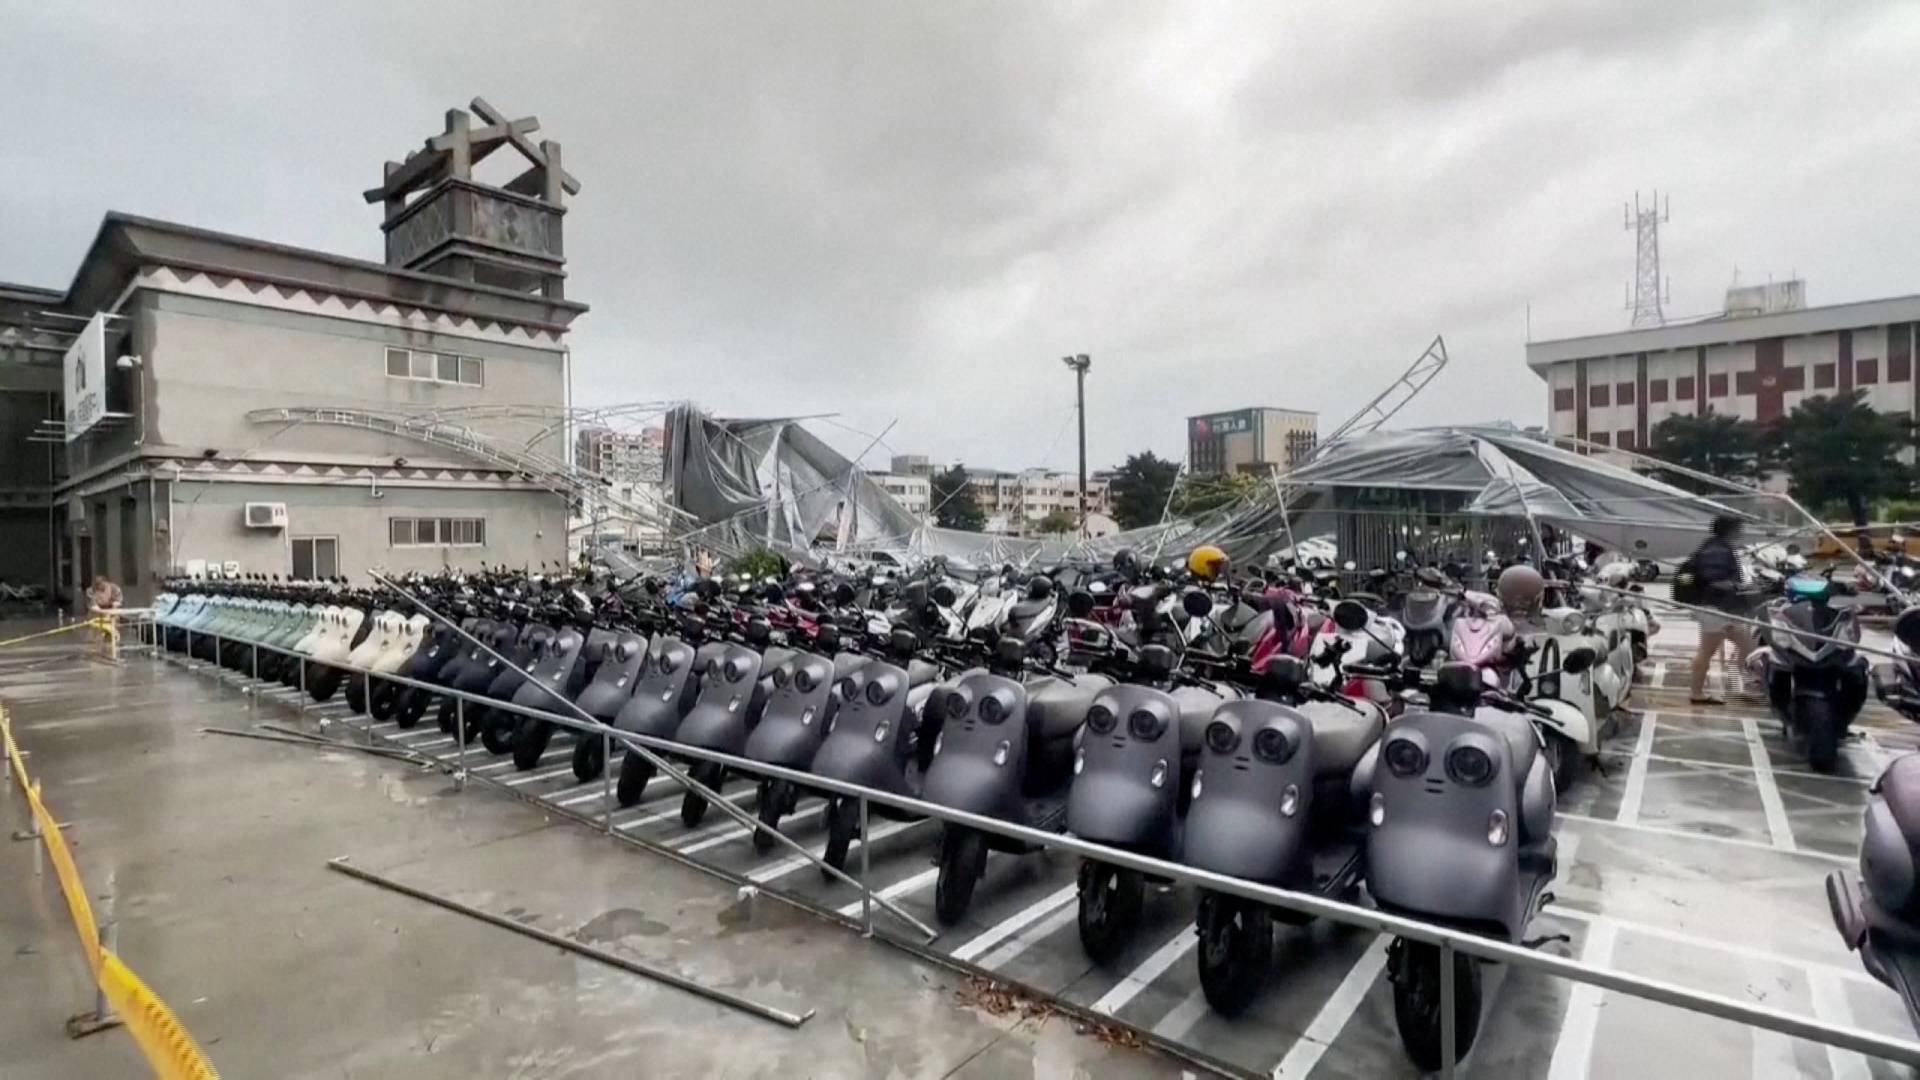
[1080, 603]
[843, 594]
[1578, 661]
[1348, 565]
[1197, 604]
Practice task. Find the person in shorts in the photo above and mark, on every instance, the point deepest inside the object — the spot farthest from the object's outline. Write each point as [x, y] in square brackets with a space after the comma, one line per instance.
[1712, 576]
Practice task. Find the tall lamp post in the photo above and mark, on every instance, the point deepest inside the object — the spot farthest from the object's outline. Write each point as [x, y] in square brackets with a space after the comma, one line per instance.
[1080, 364]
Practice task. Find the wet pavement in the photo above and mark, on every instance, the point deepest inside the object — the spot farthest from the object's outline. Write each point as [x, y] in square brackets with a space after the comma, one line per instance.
[1696, 856]
[213, 851]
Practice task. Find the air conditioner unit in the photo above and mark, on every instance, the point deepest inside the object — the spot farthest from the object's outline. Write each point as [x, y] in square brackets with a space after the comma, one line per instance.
[266, 515]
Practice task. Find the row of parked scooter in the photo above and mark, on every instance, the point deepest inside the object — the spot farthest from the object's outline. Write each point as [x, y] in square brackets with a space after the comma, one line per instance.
[1403, 737]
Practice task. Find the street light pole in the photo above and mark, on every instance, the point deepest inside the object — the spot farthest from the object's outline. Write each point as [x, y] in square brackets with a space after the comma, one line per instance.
[1080, 364]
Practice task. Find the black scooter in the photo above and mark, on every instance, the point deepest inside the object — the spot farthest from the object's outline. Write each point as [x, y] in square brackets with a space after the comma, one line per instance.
[620, 656]
[1878, 913]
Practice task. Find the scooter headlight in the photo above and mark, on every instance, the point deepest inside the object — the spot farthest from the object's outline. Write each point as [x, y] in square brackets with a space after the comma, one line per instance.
[1145, 725]
[849, 689]
[1470, 765]
[1221, 737]
[1100, 720]
[1272, 747]
[1405, 758]
[804, 681]
[1497, 828]
[733, 669]
[956, 705]
[877, 692]
[665, 663]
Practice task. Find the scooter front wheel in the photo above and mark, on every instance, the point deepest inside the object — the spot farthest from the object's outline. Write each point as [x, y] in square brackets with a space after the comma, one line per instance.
[1236, 950]
[636, 773]
[380, 705]
[589, 757]
[1414, 968]
[963, 858]
[1111, 899]
[1563, 758]
[773, 807]
[496, 731]
[530, 740]
[843, 821]
[693, 805]
[1814, 717]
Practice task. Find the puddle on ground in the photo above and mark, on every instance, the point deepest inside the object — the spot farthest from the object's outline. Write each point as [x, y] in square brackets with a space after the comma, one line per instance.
[748, 916]
[619, 923]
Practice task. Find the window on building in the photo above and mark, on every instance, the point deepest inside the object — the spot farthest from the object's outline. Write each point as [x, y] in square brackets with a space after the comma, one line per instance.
[422, 366]
[437, 532]
[1717, 385]
[1866, 372]
[1793, 378]
[1563, 399]
[1624, 440]
[1899, 368]
[1746, 382]
[1656, 391]
[1683, 388]
[1823, 376]
[1600, 438]
[1597, 395]
[315, 557]
[1623, 393]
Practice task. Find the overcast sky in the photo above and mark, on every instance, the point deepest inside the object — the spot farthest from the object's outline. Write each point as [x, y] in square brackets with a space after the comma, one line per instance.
[910, 211]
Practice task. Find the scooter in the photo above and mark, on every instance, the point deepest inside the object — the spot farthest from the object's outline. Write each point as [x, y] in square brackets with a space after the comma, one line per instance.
[409, 703]
[1816, 687]
[669, 685]
[387, 636]
[1878, 913]
[621, 654]
[1272, 803]
[1460, 801]
[732, 698]
[473, 673]
[560, 674]
[325, 670]
[801, 709]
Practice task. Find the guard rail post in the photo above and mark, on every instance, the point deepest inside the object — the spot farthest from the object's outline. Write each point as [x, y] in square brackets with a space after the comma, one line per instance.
[1447, 1019]
[460, 738]
[606, 775]
[866, 887]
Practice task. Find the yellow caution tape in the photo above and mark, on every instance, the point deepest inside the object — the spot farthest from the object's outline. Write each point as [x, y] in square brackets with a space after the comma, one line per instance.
[167, 1046]
[89, 624]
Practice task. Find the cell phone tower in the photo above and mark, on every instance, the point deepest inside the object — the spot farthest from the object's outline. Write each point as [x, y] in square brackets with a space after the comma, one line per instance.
[1649, 288]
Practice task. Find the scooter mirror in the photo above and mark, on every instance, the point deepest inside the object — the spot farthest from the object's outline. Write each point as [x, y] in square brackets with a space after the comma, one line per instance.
[1400, 556]
[1793, 549]
[1197, 603]
[1080, 603]
[843, 594]
[1578, 660]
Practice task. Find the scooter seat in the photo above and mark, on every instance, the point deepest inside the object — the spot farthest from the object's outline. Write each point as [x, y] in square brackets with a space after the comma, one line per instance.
[1341, 736]
[1056, 708]
[1025, 611]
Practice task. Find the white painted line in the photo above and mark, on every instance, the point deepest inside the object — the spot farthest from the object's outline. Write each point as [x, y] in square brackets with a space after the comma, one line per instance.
[1695, 941]
[1015, 923]
[1778, 826]
[898, 889]
[737, 831]
[536, 777]
[1032, 935]
[1772, 1055]
[1637, 771]
[554, 797]
[386, 724]
[1683, 834]
[1573, 1051]
[1154, 966]
[794, 862]
[1830, 1006]
[1175, 1025]
[1659, 674]
[444, 740]
[1734, 766]
[663, 815]
[1327, 1024]
[507, 763]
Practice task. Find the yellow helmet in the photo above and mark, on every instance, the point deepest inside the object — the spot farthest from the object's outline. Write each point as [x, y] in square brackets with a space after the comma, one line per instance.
[1207, 562]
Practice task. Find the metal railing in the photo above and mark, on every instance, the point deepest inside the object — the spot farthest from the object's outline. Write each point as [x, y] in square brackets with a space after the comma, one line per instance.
[1448, 941]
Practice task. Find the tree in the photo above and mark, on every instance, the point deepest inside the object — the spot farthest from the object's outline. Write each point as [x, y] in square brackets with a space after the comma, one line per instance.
[953, 503]
[1839, 450]
[1713, 443]
[1201, 494]
[1139, 489]
[1057, 521]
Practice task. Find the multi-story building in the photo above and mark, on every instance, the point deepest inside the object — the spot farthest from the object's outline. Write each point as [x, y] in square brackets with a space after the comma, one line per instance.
[911, 465]
[1250, 440]
[196, 398]
[623, 457]
[1014, 502]
[914, 492]
[1762, 356]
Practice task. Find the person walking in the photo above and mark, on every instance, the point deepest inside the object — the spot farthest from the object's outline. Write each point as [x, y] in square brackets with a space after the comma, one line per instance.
[1711, 578]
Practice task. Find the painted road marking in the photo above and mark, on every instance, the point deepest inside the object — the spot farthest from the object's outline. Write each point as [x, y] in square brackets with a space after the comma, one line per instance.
[1175, 1025]
[1034, 934]
[1154, 966]
[1777, 825]
[1637, 771]
[1830, 1006]
[1661, 830]
[1573, 1051]
[1015, 923]
[794, 862]
[1335, 1012]
[898, 889]
[1744, 952]
[626, 826]
[536, 777]
[739, 831]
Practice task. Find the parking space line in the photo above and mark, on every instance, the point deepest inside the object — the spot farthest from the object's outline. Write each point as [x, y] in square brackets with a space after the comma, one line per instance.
[1830, 1007]
[1154, 966]
[1573, 1050]
[1778, 826]
[1637, 771]
[1175, 1025]
[897, 890]
[536, 777]
[1027, 938]
[1730, 948]
[625, 826]
[594, 786]
[794, 862]
[1332, 1018]
[1683, 834]
[739, 831]
[1015, 923]
[1733, 766]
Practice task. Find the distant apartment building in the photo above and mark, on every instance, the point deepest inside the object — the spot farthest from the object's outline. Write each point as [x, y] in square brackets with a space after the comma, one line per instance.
[623, 457]
[1015, 501]
[914, 492]
[911, 465]
[1250, 440]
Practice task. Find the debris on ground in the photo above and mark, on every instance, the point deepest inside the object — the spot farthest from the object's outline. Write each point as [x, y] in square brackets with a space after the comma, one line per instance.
[1000, 999]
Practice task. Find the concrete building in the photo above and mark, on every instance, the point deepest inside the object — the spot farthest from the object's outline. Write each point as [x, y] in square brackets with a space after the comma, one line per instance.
[911, 465]
[1762, 356]
[912, 491]
[1250, 440]
[624, 457]
[1014, 502]
[125, 432]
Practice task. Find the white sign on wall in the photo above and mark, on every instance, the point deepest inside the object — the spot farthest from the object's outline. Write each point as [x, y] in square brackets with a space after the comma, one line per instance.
[84, 377]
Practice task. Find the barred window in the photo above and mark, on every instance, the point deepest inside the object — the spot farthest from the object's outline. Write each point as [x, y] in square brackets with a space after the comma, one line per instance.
[437, 532]
[436, 367]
